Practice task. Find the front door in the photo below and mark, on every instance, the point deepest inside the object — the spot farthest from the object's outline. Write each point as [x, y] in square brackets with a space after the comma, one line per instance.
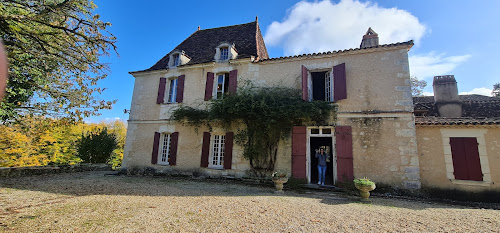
[326, 144]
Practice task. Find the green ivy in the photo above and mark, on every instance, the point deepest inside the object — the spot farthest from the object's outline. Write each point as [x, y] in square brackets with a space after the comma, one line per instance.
[261, 116]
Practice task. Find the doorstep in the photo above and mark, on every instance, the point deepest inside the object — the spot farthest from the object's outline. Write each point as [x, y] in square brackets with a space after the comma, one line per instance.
[323, 187]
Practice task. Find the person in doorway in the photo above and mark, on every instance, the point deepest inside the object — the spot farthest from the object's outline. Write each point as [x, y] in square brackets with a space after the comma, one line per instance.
[321, 156]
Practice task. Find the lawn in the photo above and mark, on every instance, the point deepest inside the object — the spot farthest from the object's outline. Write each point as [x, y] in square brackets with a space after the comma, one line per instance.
[94, 202]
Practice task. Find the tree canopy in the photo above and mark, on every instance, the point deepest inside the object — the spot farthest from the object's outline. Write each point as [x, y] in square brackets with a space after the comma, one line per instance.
[261, 116]
[417, 86]
[496, 90]
[54, 49]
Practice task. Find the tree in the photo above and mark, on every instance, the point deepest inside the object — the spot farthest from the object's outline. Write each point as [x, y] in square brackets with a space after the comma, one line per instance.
[417, 86]
[262, 116]
[97, 147]
[496, 90]
[53, 49]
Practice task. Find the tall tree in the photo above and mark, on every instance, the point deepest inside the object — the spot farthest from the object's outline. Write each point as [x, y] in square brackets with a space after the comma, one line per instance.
[417, 86]
[496, 90]
[53, 49]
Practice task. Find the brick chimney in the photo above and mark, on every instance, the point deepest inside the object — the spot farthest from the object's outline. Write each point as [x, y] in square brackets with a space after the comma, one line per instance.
[370, 39]
[446, 96]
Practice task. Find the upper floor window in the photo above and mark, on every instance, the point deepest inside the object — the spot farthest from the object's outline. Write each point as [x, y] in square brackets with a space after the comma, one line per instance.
[176, 60]
[224, 53]
[172, 91]
[222, 85]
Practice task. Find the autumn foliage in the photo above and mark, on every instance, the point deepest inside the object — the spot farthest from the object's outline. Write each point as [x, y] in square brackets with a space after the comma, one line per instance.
[39, 141]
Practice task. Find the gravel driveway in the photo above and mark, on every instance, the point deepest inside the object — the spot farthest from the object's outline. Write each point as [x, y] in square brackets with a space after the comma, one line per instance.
[93, 202]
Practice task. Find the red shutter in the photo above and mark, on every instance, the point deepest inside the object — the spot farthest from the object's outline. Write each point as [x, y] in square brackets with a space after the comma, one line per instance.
[161, 91]
[305, 92]
[299, 139]
[209, 86]
[205, 149]
[174, 142]
[228, 150]
[233, 81]
[343, 147]
[156, 143]
[339, 83]
[180, 88]
[465, 156]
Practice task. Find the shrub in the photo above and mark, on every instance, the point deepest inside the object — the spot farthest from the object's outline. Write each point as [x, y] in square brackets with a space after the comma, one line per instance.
[96, 147]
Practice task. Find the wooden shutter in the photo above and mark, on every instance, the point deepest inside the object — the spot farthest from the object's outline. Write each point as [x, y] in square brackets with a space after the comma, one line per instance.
[465, 156]
[228, 150]
[299, 139]
[343, 148]
[233, 81]
[180, 88]
[305, 89]
[339, 83]
[209, 86]
[205, 149]
[174, 143]
[156, 143]
[161, 91]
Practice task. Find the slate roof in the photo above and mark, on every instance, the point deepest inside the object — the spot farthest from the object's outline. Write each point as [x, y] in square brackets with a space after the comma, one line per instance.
[200, 46]
[476, 110]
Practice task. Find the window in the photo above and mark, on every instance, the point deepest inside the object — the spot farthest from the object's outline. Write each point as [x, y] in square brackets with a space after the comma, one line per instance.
[164, 152]
[172, 91]
[176, 60]
[322, 87]
[222, 85]
[465, 155]
[217, 152]
[224, 53]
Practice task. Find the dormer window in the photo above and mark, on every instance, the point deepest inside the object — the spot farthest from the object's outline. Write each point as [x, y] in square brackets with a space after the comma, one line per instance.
[178, 58]
[224, 53]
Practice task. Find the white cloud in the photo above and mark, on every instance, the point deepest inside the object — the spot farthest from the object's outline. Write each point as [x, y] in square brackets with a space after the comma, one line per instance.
[425, 93]
[480, 91]
[324, 26]
[432, 64]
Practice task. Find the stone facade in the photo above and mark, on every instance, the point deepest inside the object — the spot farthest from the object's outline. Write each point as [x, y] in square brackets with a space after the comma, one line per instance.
[378, 108]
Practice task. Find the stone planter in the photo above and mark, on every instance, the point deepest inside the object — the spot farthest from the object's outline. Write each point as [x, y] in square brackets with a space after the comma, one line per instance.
[364, 190]
[278, 183]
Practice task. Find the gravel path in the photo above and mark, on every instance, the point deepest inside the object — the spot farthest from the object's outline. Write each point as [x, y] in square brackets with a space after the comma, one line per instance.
[92, 202]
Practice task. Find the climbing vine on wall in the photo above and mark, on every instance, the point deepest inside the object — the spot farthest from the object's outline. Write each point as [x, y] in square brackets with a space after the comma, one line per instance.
[261, 116]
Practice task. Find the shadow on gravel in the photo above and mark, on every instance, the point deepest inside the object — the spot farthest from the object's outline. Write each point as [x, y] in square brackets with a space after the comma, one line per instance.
[99, 183]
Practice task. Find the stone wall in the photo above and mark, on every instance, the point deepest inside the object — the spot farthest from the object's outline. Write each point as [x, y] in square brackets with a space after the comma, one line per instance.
[31, 171]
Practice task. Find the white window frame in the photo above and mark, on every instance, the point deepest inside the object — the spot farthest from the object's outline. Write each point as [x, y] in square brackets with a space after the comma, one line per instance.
[216, 85]
[217, 151]
[171, 90]
[328, 84]
[328, 87]
[479, 134]
[176, 59]
[164, 149]
[224, 53]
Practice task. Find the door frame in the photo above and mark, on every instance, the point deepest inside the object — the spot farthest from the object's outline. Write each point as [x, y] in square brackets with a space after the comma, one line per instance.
[308, 150]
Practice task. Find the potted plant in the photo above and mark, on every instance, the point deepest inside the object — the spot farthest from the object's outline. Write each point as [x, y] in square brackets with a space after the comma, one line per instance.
[364, 185]
[279, 178]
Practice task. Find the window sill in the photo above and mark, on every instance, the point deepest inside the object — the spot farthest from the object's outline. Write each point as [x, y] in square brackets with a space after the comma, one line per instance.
[216, 168]
[166, 165]
[472, 182]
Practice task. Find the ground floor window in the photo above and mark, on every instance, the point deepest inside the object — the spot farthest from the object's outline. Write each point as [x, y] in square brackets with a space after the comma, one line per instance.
[165, 148]
[465, 155]
[217, 152]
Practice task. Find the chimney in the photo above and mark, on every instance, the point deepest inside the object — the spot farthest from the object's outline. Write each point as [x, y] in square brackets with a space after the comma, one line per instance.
[446, 96]
[370, 39]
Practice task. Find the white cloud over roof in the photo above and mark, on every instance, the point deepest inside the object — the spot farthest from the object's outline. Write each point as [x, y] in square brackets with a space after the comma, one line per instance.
[325, 26]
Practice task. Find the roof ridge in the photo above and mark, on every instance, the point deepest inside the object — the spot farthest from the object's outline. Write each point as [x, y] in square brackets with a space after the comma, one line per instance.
[410, 42]
[226, 26]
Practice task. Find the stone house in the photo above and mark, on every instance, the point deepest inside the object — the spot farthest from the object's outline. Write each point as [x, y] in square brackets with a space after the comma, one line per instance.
[458, 138]
[373, 135]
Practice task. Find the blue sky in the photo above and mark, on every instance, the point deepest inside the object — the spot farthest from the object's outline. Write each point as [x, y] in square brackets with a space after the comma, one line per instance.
[456, 37]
